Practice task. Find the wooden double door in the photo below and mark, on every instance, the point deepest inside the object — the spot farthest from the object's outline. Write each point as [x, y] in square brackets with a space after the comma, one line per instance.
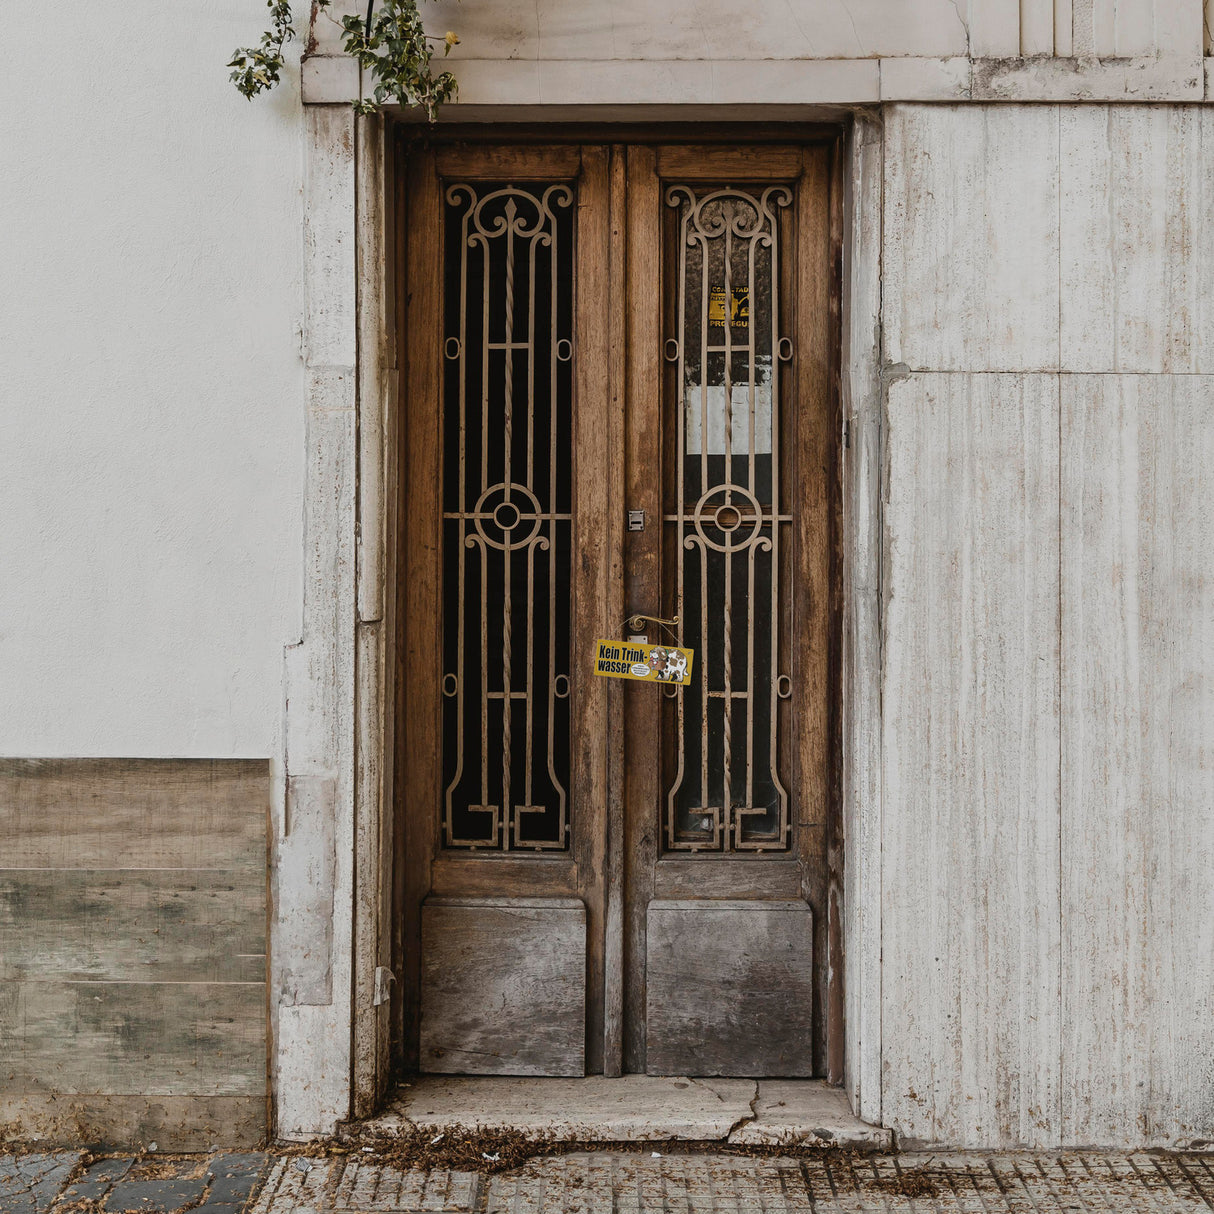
[618, 421]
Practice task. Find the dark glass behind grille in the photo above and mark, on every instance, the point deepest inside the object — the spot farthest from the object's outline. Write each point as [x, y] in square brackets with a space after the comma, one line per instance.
[506, 524]
[729, 525]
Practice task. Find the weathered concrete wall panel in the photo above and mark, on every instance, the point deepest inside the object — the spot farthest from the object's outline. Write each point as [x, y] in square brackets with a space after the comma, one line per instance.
[560, 53]
[1137, 758]
[314, 825]
[970, 267]
[1137, 213]
[970, 932]
[715, 29]
[1047, 841]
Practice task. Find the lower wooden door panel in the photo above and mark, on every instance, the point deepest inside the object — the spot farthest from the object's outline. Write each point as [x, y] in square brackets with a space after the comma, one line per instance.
[729, 988]
[503, 986]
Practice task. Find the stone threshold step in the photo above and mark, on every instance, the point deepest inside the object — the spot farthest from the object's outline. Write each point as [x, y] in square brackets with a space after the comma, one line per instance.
[634, 1108]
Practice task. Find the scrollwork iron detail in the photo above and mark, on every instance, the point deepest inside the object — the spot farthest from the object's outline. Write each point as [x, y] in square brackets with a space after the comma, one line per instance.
[725, 793]
[507, 517]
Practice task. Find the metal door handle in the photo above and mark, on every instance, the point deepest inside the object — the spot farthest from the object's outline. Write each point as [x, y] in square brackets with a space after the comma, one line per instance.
[635, 621]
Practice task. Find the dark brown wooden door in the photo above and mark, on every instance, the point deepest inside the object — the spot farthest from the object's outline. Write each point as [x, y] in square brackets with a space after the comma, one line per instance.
[617, 403]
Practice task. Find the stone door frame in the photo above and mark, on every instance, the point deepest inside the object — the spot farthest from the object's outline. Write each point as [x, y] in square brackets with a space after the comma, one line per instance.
[332, 851]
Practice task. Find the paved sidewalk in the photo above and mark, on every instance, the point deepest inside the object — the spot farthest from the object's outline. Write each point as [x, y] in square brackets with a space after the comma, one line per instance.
[66, 1182]
[609, 1182]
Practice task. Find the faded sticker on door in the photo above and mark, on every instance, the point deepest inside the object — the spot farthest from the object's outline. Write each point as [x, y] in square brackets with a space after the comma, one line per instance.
[650, 663]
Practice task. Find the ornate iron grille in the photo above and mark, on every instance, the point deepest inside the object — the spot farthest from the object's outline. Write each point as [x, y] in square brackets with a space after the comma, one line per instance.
[730, 537]
[507, 516]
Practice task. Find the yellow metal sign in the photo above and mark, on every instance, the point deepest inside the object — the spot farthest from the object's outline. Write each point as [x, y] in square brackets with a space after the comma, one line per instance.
[649, 663]
[739, 307]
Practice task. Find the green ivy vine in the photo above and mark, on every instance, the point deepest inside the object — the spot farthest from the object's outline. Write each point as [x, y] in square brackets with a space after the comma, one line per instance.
[389, 43]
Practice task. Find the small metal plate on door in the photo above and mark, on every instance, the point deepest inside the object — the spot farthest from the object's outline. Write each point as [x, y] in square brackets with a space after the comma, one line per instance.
[636, 520]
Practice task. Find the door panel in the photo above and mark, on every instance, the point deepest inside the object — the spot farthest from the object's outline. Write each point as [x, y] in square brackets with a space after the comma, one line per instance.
[731, 455]
[729, 987]
[599, 875]
[506, 563]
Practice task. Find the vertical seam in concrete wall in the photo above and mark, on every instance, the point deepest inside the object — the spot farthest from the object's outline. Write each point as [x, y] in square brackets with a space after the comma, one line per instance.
[1063, 33]
[1057, 1112]
[359, 560]
[861, 735]
[371, 505]
[882, 558]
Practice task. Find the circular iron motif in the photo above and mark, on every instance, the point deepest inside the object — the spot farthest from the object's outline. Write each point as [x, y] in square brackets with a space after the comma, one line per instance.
[507, 516]
[734, 512]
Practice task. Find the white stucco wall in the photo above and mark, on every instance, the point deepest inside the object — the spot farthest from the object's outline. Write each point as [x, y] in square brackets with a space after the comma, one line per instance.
[151, 421]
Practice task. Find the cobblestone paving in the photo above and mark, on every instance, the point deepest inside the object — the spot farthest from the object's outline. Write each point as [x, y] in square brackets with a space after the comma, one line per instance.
[61, 1182]
[616, 1183]
[30, 1183]
[603, 1183]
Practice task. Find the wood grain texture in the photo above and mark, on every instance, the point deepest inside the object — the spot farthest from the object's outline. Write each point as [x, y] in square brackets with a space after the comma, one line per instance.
[149, 1038]
[730, 988]
[512, 876]
[126, 1122]
[643, 481]
[692, 162]
[1138, 770]
[971, 237]
[419, 672]
[146, 925]
[145, 979]
[396, 691]
[613, 471]
[1137, 215]
[970, 881]
[134, 813]
[769, 877]
[483, 162]
[503, 986]
[810, 435]
[830, 446]
[814, 590]
[596, 574]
